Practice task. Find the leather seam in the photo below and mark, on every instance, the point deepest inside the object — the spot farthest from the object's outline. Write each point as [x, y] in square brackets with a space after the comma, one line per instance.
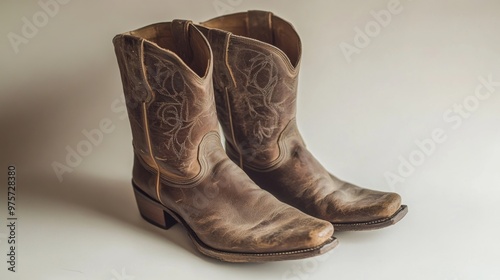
[228, 104]
[283, 151]
[146, 122]
[156, 167]
[226, 61]
[201, 159]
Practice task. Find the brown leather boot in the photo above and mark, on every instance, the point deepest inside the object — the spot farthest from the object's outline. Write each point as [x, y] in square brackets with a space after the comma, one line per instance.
[181, 173]
[256, 66]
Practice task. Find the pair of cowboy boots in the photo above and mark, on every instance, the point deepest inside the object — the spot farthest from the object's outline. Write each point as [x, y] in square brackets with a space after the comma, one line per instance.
[263, 198]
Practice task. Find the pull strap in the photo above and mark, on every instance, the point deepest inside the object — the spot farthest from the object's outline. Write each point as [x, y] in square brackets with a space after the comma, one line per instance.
[260, 26]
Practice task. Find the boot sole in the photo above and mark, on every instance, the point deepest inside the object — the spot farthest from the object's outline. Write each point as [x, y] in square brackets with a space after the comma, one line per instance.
[375, 224]
[162, 217]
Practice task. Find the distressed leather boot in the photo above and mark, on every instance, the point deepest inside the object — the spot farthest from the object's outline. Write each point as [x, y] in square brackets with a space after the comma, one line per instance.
[181, 173]
[256, 67]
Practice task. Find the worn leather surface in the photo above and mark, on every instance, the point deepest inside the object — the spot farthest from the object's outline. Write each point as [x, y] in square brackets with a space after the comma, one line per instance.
[179, 160]
[257, 61]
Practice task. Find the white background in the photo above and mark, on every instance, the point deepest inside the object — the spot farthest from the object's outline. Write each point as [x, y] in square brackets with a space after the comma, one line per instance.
[359, 118]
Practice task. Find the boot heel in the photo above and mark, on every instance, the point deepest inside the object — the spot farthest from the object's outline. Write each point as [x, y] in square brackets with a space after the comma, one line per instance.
[152, 211]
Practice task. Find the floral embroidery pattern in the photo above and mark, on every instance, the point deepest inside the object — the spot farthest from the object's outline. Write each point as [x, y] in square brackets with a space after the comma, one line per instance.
[172, 105]
[260, 79]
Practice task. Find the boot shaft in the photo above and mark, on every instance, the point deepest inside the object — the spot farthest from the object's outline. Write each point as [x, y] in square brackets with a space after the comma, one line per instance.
[166, 71]
[257, 60]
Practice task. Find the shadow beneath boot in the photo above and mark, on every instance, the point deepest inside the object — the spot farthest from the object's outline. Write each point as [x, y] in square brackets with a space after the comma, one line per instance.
[103, 199]
[113, 200]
